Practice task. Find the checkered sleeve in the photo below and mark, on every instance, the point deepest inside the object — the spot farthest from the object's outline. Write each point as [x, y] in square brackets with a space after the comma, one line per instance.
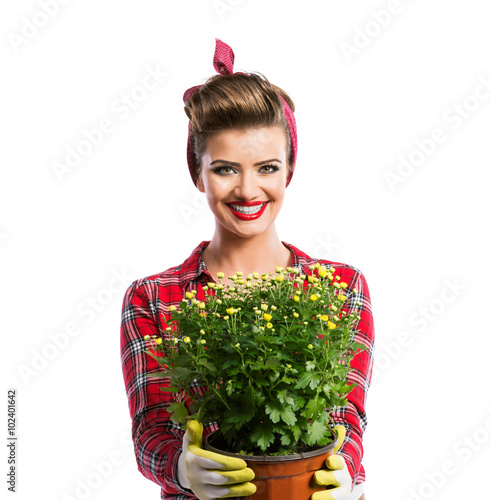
[353, 415]
[157, 441]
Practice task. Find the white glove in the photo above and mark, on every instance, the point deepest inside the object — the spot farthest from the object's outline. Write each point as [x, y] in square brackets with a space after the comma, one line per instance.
[337, 475]
[211, 475]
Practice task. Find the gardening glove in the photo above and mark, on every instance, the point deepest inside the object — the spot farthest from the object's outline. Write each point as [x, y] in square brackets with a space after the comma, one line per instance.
[337, 476]
[211, 475]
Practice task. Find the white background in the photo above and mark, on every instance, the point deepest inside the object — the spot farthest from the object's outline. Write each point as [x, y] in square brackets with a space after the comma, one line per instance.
[129, 209]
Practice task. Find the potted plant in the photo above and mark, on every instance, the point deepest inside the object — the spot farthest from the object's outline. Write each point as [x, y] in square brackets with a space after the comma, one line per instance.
[266, 359]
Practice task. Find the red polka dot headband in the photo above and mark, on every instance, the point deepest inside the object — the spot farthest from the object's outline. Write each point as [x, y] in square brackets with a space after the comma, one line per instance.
[223, 62]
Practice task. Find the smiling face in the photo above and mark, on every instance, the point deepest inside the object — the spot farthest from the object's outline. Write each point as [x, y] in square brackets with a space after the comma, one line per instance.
[243, 174]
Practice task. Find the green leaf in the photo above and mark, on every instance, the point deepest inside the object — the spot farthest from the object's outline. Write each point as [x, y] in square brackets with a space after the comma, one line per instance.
[157, 374]
[314, 407]
[311, 379]
[317, 434]
[169, 389]
[285, 439]
[283, 397]
[273, 409]
[178, 412]
[277, 411]
[357, 345]
[288, 416]
[263, 436]
[310, 365]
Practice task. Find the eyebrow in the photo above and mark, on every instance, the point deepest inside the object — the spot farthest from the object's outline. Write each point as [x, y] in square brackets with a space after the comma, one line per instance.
[235, 164]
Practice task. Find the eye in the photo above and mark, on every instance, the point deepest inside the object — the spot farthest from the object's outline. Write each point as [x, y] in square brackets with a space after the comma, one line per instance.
[224, 170]
[269, 169]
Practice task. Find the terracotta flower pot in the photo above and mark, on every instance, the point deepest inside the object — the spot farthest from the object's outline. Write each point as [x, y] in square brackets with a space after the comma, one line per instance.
[288, 477]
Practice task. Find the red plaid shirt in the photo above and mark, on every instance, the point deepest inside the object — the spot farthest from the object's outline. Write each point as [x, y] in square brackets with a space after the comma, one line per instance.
[157, 440]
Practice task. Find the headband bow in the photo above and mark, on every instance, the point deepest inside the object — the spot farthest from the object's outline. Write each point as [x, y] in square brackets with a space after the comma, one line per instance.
[223, 62]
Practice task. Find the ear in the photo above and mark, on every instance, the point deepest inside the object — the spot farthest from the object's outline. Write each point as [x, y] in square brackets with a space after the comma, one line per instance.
[199, 184]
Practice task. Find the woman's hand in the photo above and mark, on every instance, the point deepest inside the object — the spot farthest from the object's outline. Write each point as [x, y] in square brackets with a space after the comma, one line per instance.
[337, 476]
[211, 475]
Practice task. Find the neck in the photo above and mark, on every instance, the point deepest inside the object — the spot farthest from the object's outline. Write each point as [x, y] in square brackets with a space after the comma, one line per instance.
[229, 253]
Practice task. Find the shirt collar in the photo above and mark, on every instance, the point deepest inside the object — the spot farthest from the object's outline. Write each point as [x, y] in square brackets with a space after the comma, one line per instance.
[193, 269]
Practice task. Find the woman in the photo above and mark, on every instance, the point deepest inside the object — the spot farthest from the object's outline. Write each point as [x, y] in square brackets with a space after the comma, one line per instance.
[241, 153]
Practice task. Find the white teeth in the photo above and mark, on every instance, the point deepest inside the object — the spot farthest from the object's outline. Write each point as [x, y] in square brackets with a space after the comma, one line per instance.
[247, 210]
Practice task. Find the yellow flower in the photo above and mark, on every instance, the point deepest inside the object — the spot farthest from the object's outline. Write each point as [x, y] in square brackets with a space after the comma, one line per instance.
[219, 301]
[226, 318]
[267, 317]
[310, 346]
[187, 340]
[201, 305]
[296, 298]
[311, 279]
[332, 269]
[342, 298]
[264, 307]
[296, 314]
[333, 308]
[324, 317]
[172, 308]
[255, 275]
[335, 318]
[288, 366]
[289, 269]
[202, 332]
[269, 325]
[237, 345]
[279, 269]
[336, 285]
[343, 285]
[331, 325]
[257, 311]
[147, 337]
[230, 310]
[279, 278]
[203, 341]
[314, 297]
[273, 308]
[220, 275]
[158, 341]
[239, 274]
[354, 290]
[323, 271]
[189, 295]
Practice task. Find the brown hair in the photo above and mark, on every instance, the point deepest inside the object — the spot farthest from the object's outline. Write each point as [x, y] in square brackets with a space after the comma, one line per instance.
[239, 100]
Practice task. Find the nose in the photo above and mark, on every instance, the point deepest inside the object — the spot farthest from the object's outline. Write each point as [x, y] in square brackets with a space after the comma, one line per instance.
[247, 186]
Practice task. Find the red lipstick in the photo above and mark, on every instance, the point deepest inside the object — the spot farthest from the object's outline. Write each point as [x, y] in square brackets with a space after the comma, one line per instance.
[251, 210]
